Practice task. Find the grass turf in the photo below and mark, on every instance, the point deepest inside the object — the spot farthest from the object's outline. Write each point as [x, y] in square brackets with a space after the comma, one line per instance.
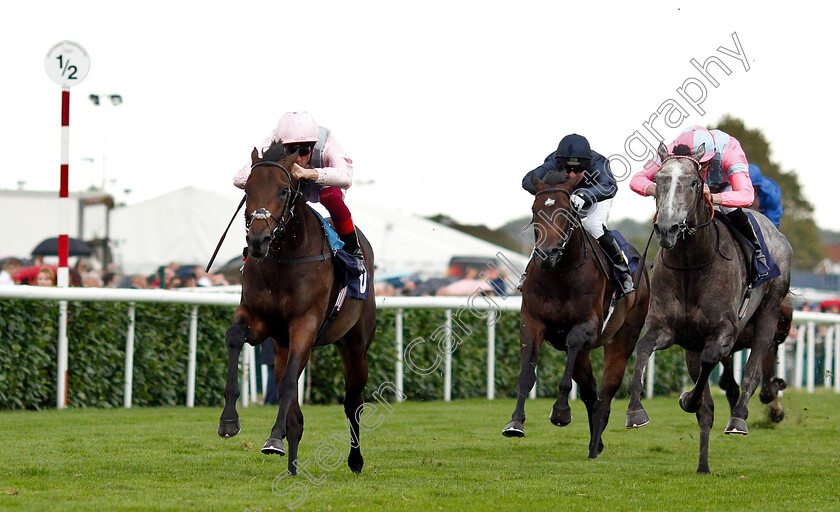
[424, 456]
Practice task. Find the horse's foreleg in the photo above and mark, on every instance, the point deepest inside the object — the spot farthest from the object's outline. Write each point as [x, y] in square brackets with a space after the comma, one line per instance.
[531, 336]
[581, 336]
[706, 413]
[616, 355]
[301, 337]
[765, 329]
[588, 390]
[234, 339]
[636, 414]
[692, 400]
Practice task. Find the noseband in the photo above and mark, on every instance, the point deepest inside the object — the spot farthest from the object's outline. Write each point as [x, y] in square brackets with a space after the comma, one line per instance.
[288, 212]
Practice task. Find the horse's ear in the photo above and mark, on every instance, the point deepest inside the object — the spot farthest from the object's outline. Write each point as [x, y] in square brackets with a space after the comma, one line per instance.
[536, 181]
[700, 152]
[255, 156]
[663, 151]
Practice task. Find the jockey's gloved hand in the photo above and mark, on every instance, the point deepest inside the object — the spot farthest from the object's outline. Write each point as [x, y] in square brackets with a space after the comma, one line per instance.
[578, 202]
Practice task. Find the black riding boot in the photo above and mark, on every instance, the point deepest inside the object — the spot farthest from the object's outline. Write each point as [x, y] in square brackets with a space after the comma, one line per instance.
[744, 226]
[351, 245]
[610, 246]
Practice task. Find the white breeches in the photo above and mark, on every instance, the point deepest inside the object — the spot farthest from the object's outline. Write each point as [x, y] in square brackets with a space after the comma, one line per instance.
[598, 217]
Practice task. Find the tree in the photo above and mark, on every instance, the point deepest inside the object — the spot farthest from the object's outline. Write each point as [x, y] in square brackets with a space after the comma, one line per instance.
[797, 223]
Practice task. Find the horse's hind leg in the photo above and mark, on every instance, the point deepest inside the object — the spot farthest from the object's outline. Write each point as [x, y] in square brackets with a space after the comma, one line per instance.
[706, 413]
[235, 340]
[616, 355]
[354, 357]
[294, 433]
[579, 337]
[727, 382]
[531, 335]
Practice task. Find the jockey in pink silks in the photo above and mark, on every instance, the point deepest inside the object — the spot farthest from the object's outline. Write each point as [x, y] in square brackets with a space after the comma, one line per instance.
[323, 162]
[725, 170]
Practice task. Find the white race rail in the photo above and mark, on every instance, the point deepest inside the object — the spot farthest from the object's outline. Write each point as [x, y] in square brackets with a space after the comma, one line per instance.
[804, 367]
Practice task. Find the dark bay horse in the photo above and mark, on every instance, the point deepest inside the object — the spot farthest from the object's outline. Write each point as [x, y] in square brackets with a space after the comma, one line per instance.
[566, 299]
[288, 290]
[699, 281]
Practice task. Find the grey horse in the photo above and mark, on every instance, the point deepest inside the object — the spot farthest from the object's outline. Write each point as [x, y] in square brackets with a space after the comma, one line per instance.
[698, 285]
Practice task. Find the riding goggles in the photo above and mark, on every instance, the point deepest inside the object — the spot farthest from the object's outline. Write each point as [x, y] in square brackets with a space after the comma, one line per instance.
[302, 148]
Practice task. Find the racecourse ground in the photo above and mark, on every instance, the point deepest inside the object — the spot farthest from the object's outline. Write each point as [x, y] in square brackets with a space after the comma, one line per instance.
[424, 456]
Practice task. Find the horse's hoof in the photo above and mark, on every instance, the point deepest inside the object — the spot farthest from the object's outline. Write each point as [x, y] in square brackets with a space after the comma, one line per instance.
[561, 416]
[780, 383]
[636, 419]
[776, 416]
[514, 429]
[736, 426]
[228, 428]
[685, 406]
[274, 446]
[593, 454]
[703, 469]
[356, 462]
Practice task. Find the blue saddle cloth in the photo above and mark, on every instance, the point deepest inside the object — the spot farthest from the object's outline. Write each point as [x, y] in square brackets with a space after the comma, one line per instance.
[633, 259]
[347, 269]
[772, 268]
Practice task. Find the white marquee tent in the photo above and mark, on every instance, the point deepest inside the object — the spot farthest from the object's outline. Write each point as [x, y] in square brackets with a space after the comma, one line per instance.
[184, 226]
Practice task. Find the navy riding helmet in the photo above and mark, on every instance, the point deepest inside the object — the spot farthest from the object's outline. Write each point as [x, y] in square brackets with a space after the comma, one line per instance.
[574, 148]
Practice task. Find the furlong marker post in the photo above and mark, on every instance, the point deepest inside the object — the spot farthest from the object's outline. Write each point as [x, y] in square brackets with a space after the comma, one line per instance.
[67, 64]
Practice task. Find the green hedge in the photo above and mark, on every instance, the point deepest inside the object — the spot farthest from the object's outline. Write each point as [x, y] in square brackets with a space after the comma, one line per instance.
[96, 359]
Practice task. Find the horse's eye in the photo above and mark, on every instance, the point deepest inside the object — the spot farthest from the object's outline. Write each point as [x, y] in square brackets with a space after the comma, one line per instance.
[283, 192]
[694, 183]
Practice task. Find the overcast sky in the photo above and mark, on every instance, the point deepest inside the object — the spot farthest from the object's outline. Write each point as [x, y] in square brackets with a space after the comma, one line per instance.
[443, 106]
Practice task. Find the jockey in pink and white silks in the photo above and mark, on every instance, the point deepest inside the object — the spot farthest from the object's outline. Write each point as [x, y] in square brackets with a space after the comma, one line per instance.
[324, 165]
[725, 170]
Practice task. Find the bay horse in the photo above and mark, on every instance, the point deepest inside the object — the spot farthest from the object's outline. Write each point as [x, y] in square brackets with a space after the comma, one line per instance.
[566, 299]
[288, 289]
[699, 282]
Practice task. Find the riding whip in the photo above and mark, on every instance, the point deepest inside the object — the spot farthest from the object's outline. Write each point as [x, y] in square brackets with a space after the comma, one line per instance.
[219, 245]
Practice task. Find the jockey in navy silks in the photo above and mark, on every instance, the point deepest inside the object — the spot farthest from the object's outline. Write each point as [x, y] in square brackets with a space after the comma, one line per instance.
[592, 197]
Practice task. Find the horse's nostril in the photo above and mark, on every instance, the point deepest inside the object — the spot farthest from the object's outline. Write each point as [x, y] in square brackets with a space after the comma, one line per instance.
[673, 230]
[656, 229]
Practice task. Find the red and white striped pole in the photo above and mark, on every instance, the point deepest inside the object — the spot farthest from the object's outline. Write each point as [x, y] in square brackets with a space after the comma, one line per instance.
[67, 64]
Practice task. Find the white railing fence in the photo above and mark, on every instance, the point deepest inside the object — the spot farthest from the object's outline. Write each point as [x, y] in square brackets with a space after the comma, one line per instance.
[813, 331]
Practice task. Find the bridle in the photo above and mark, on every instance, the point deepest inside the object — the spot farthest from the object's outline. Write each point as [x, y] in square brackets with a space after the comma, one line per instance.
[288, 212]
[575, 225]
[684, 230]
[574, 213]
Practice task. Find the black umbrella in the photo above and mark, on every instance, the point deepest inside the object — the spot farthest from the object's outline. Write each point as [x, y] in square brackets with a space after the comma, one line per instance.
[49, 247]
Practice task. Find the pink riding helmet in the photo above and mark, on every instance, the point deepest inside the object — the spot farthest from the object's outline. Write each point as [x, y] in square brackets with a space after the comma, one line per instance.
[296, 127]
[693, 138]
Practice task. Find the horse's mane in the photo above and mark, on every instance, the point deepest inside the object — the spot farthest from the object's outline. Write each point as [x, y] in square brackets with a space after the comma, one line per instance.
[275, 152]
[683, 150]
[554, 177]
